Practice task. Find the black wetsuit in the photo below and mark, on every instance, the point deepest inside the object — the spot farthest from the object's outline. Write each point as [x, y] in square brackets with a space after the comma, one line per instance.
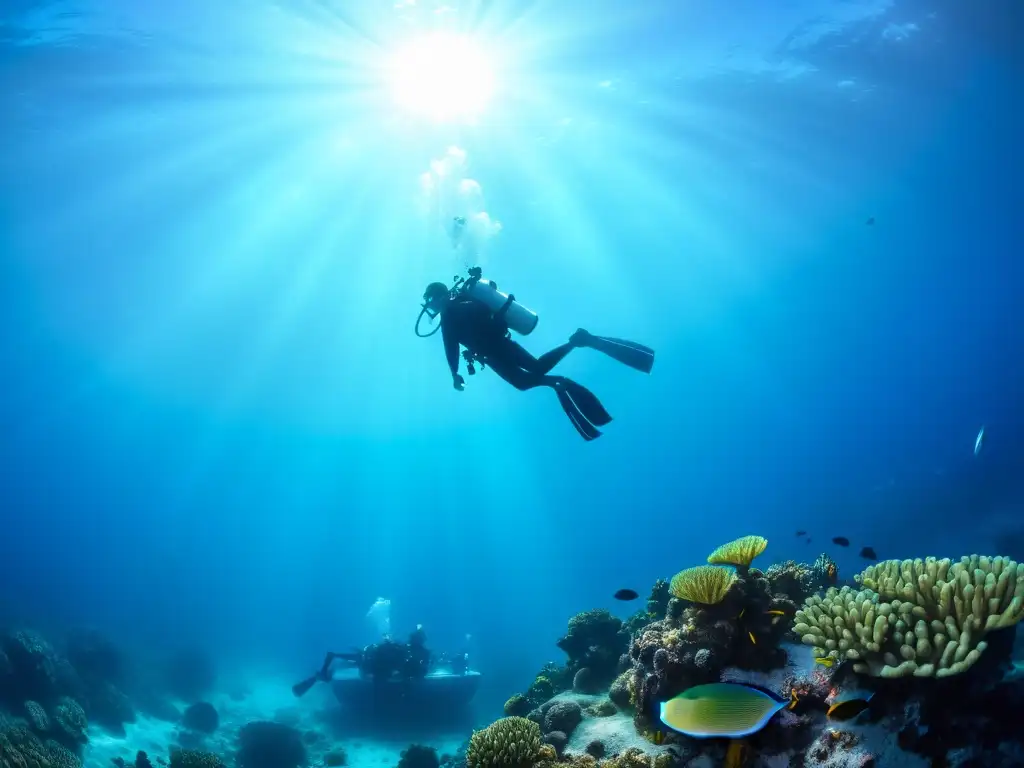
[469, 323]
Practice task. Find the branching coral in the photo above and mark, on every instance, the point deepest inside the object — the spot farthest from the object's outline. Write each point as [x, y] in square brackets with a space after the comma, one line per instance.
[705, 584]
[740, 552]
[915, 617]
[512, 742]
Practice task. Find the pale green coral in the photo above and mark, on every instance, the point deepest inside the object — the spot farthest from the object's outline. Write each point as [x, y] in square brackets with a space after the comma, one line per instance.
[512, 742]
[915, 617]
[704, 584]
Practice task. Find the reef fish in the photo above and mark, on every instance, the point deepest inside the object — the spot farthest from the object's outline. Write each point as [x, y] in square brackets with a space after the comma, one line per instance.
[825, 661]
[721, 710]
[868, 553]
[626, 594]
[842, 541]
[849, 704]
[801, 533]
[870, 221]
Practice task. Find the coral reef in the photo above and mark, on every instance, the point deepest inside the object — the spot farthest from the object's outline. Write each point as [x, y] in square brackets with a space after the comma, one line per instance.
[419, 756]
[336, 758]
[742, 628]
[264, 744]
[71, 722]
[518, 705]
[797, 581]
[201, 717]
[562, 716]
[191, 758]
[20, 748]
[512, 742]
[915, 617]
[594, 641]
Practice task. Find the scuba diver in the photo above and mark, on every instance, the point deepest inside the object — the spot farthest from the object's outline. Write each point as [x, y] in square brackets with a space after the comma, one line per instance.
[382, 662]
[476, 315]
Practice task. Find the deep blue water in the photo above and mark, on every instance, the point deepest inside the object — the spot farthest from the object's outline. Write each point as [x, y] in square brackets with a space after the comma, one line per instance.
[217, 425]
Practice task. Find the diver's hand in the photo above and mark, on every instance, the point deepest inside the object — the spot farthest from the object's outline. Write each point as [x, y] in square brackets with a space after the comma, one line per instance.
[458, 382]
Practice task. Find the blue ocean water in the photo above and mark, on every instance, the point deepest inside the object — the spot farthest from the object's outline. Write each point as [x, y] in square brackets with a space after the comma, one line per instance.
[216, 224]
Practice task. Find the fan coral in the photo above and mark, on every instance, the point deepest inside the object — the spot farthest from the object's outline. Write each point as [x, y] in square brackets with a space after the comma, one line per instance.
[512, 742]
[705, 584]
[740, 552]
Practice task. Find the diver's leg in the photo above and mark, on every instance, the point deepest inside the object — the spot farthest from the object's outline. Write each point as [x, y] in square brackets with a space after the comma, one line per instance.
[518, 354]
[522, 380]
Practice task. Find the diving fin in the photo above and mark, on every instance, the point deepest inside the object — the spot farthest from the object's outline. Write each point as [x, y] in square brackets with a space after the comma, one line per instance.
[587, 430]
[301, 689]
[628, 353]
[587, 403]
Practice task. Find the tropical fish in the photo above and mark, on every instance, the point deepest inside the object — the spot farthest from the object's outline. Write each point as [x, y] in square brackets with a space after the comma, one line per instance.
[722, 710]
[870, 221]
[842, 541]
[776, 613]
[752, 638]
[849, 704]
[737, 753]
[801, 533]
[825, 661]
[979, 441]
[626, 594]
[868, 553]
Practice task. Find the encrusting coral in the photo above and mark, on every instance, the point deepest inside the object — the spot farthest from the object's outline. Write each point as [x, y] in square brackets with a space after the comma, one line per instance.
[915, 617]
[740, 552]
[512, 742]
[704, 584]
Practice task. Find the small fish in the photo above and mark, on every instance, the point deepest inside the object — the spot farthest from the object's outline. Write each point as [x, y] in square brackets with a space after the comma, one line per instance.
[740, 615]
[870, 221]
[825, 661]
[979, 441]
[868, 553]
[722, 710]
[737, 753]
[752, 638]
[807, 540]
[776, 613]
[801, 533]
[626, 594]
[849, 704]
[842, 541]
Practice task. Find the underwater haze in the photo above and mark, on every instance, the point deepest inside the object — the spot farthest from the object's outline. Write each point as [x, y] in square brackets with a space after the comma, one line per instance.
[217, 221]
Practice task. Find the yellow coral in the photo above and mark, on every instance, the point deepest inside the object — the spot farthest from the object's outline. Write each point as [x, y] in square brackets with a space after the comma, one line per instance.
[705, 584]
[740, 552]
[512, 742]
[915, 617]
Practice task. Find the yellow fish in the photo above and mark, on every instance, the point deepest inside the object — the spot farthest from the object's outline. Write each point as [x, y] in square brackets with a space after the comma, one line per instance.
[825, 661]
[736, 755]
[752, 638]
[776, 613]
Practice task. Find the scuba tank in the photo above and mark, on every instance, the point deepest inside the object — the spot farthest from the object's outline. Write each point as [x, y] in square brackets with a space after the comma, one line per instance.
[517, 317]
[503, 305]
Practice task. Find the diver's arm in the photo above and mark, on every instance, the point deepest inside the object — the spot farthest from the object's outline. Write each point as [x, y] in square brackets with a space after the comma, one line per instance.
[451, 349]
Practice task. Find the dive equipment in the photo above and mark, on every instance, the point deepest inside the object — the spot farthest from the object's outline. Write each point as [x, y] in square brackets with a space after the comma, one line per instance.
[502, 305]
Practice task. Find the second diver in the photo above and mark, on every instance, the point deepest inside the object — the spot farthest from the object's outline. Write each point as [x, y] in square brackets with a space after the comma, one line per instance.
[474, 314]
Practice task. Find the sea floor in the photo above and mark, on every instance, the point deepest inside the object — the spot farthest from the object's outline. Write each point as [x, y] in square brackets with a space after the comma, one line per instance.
[316, 717]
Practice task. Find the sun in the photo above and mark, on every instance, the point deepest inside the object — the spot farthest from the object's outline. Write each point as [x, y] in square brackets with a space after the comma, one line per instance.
[442, 76]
